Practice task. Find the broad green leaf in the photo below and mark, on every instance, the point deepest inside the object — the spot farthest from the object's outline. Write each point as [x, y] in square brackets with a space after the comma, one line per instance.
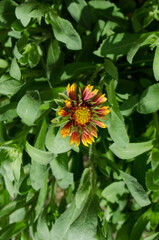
[7, 12]
[131, 150]
[8, 112]
[42, 197]
[80, 12]
[144, 39]
[74, 69]
[8, 208]
[33, 56]
[3, 63]
[83, 189]
[37, 175]
[42, 228]
[113, 191]
[85, 226]
[156, 174]
[53, 56]
[140, 225]
[59, 167]
[12, 229]
[127, 107]
[135, 189]
[28, 107]
[17, 215]
[62, 225]
[150, 183]
[154, 158]
[40, 138]
[156, 64]
[39, 156]
[111, 69]
[64, 32]
[27, 10]
[15, 71]
[108, 11]
[154, 220]
[10, 87]
[149, 101]
[152, 237]
[116, 129]
[117, 44]
[57, 144]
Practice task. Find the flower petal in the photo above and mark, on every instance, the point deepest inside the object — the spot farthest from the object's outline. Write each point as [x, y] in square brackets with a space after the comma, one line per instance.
[71, 91]
[68, 103]
[88, 93]
[62, 112]
[99, 123]
[99, 99]
[93, 131]
[103, 111]
[75, 138]
[66, 130]
[84, 139]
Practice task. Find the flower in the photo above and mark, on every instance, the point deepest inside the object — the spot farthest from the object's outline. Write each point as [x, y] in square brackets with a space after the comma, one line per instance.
[84, 112]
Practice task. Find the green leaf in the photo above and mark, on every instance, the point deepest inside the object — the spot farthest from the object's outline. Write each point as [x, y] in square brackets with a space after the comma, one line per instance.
[111, 69]
[42, 228]
[140, 225]
[33, 56]
[15, 70]
[154, 221]
[150, 183]
[112, 192]
[53, 56]
[135, 189]
[27, 10]
[131, 150]
[39, 156]
[117, 44]
[41, 198]
[8, 112]
[149, 101]
[128, 107]
[37, 175]
[156, 64]
[59, 167]
[62, 225]
[3, 63]
[28, 107]
[7, 13]
[116, 129]
[10, 87]
[74, 69]
[17, 215]
[152, 237]
[83, 189]
[144, 39]
[12, 229]
[85, 226]
[64, 32]
[56, 144]
[80, 12]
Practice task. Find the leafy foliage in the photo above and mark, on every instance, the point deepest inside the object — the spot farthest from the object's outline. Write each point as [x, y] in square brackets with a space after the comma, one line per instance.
[49, 189]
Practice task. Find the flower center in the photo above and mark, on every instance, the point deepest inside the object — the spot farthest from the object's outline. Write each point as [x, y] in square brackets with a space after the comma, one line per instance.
[81, 115]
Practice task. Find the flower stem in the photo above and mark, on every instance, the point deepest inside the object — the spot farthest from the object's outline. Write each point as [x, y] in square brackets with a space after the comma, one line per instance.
[93, 176]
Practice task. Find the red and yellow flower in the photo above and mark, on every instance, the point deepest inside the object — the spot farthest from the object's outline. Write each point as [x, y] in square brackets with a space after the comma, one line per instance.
[84, 112]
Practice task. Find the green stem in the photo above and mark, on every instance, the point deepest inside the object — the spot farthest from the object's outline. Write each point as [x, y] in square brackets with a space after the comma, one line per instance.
[92, 168]
[95, 74]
